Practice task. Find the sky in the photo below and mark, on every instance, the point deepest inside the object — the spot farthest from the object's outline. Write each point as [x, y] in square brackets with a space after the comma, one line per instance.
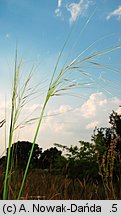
[39, 30]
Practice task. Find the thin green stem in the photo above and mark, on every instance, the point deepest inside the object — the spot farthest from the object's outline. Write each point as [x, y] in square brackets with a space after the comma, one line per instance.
[11, 130]
[31, 152]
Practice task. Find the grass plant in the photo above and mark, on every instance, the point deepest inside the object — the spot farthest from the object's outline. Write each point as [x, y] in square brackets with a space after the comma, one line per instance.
[20, 95]
[106, 169]
[61, 81]
[61, 84]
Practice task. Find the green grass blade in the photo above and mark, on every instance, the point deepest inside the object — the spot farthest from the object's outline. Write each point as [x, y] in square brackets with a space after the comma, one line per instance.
[16, 75]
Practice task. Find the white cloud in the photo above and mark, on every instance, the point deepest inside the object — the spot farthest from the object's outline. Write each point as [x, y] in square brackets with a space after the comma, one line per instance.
[78, 9]
[59, 3]
[51, 120]
[92, 125]
[66, 124]
[58, 12]
[116, 13]
[119, 110]
[78, 123]
[75, 9]
[58, 9]
[95, 101]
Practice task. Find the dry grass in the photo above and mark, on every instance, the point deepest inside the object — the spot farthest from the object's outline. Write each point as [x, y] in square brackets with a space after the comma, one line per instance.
[41, 185]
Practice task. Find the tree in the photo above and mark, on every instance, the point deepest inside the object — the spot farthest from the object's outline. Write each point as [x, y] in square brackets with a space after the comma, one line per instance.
[2, 161]
[80, 161]
[48, 158]
[115, 121]
[20, 153]
[103, 137]
[108, 145]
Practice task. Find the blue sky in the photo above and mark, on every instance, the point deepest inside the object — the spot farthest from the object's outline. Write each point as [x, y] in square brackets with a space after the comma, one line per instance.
[40, 29]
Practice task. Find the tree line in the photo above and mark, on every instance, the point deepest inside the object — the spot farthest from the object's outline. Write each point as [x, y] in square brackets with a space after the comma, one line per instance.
[102, 156]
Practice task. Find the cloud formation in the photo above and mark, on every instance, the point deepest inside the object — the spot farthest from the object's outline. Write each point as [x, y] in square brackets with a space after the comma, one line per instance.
[67, 124]
[59, 3]
[96, 102]
[116, 13]
[58, 9]
[77, 9]
[92, 125]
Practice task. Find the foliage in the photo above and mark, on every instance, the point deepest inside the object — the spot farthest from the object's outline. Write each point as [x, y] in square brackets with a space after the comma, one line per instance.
[103, 137]
[115, 121]
[108, 148]
[81, 161]
[48, 158]
[20, 153]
